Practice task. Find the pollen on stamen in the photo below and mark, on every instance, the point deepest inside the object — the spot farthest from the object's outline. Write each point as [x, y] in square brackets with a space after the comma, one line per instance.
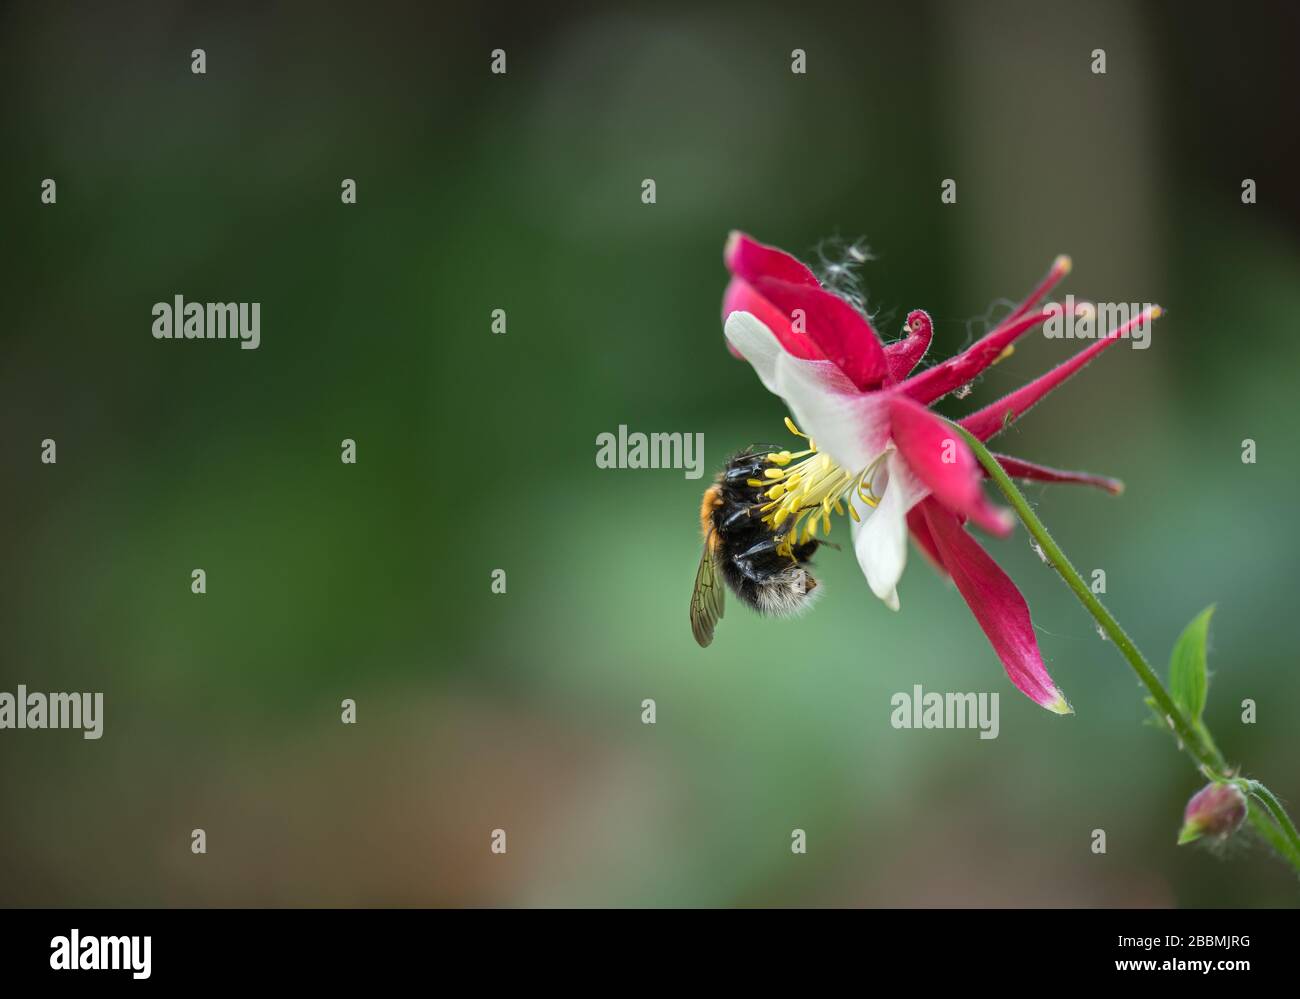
[803, 496]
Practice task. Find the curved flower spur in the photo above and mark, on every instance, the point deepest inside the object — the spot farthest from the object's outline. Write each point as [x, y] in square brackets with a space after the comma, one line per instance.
[875, 451]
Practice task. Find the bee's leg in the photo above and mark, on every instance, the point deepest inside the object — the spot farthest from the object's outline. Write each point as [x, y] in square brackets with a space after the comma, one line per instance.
[746, 569]
[747, 470]
[735, 519]
[767, 545]
[774, 545]
[806, 550]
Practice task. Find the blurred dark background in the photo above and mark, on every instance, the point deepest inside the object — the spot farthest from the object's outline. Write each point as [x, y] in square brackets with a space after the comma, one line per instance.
[475, 452]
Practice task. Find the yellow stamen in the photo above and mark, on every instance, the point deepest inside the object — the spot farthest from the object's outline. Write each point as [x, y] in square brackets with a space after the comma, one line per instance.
[809, 488]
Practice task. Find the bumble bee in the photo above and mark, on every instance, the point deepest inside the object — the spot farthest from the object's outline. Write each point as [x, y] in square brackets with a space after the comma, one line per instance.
[745, 553]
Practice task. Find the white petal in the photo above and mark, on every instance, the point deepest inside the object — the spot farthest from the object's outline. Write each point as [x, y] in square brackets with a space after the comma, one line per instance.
[757, 344]
[851, 426]
[880, 538]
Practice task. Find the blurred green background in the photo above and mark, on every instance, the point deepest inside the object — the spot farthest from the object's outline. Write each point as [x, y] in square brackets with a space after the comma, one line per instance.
[522, 711]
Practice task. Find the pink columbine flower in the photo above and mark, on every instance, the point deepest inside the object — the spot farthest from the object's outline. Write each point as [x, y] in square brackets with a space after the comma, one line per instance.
[875, 447]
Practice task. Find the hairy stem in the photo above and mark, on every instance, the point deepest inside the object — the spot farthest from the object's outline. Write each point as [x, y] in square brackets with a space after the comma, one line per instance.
[1289, 835]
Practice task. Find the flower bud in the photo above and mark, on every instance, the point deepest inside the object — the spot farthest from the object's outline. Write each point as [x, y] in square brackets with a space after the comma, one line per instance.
[1215, 810]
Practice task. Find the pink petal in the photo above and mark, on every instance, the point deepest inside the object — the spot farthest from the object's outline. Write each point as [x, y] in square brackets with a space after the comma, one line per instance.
[741, 297]
[1060, 267]
[940, 459]
[1018, 468]
[938, 381]
[997, 605]
[921, 535]
[904, 355]
[995, 417]
[747, 258]
[841, 333]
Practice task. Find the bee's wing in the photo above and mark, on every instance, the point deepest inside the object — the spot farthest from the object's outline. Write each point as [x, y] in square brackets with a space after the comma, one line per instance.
[759, 448]
[706, 599]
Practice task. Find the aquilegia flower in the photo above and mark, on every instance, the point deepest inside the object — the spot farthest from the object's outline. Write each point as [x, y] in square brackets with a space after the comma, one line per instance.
[876, 450]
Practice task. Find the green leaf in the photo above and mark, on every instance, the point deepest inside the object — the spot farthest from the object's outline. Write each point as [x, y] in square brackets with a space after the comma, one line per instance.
[1187, 679]
[1156, 720]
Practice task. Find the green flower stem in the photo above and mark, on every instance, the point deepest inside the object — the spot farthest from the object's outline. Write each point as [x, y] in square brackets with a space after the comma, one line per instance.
[1275, 837]
[1271, 820]
[1289, 834]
